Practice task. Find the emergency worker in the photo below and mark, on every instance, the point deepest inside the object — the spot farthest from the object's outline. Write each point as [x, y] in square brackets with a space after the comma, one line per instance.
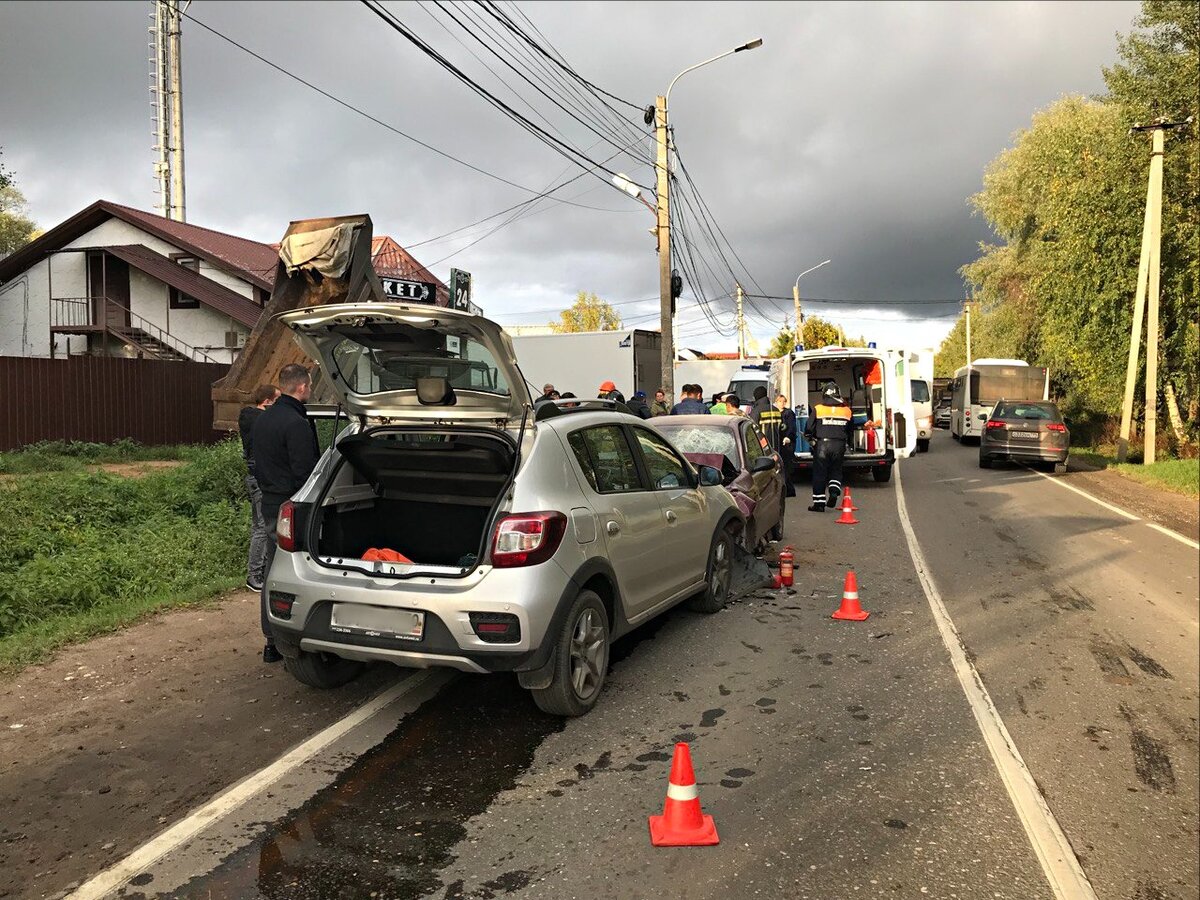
[767, 418]
[828, 430]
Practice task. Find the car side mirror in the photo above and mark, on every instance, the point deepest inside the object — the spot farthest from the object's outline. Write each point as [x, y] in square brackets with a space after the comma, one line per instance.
[709, 476]
[763, 464]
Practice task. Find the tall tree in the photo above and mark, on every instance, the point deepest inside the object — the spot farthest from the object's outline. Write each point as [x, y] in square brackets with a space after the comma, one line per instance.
[818, 333]
[587, 313]
[16, 228]
[783, 343]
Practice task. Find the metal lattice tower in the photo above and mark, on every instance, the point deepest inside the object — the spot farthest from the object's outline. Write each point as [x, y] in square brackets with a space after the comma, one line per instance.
[166, 106]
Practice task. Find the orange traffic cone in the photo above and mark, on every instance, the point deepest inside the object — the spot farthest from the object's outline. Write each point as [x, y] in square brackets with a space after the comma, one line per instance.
[682, 824]
[848, 498]
[850, 610]
[847, 512]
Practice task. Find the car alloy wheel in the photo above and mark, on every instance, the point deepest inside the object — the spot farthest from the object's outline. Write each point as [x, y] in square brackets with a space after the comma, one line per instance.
[589, 654]
[722, 571]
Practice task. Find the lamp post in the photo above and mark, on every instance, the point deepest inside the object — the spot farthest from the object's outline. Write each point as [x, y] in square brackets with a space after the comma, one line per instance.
[796, 299]
[658, 115]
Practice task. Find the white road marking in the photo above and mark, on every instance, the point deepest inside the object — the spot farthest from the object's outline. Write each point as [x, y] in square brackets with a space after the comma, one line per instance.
[1120, 512]
[1050, 844]
[235, 796]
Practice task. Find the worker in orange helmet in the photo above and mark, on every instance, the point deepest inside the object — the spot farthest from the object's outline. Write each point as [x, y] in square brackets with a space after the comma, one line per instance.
[608, 391]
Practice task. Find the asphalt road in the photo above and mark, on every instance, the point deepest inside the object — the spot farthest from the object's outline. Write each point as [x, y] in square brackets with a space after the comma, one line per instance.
[838, 759]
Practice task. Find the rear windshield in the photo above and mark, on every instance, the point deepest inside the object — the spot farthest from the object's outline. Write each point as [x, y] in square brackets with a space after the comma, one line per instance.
[393, 361]
[1046, 411]
[703, 439]
[920, 391]
[1008, 383]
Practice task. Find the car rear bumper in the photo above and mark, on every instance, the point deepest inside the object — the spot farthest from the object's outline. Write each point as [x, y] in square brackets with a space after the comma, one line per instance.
[1024, 454]
[850, 461]
[531, 594]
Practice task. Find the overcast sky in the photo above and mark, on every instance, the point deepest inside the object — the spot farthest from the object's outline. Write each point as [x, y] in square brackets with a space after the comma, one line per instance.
[856, 133]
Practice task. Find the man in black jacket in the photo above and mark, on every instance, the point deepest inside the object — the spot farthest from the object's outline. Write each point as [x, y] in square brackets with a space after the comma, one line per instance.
[828, 429]
[285, 453]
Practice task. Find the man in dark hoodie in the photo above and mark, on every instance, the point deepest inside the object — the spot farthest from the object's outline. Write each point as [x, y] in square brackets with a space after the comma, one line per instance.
[285, 453]
[637, 405]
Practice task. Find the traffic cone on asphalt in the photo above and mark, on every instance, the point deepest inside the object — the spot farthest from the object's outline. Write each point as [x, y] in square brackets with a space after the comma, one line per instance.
[850, 610]
[848, 498]
[682, 824]
[847, 512]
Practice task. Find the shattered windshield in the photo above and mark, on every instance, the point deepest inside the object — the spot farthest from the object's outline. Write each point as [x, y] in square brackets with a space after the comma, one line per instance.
[393, 361]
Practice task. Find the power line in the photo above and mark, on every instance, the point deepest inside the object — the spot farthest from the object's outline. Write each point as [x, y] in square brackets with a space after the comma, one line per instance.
[366, 115]
[556, 144]
[863, 303]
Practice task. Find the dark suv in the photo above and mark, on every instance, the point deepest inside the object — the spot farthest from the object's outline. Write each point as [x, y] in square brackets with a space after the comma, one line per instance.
[1026, 431]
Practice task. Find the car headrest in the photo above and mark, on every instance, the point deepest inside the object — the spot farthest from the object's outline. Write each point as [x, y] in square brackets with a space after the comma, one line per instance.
[435, 391]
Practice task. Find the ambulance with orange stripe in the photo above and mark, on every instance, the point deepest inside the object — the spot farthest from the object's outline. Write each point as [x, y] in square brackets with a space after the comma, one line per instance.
[878, 385]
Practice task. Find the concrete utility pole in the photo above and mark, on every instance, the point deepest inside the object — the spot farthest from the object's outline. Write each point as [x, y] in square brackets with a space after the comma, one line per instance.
[166, 100]
[666, 301]
[796, 300]
[741, 325]
[1147, 293]
[175, 85]
[968, 314]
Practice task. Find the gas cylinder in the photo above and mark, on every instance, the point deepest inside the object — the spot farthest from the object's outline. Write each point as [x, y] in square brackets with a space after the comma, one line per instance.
[786, 566]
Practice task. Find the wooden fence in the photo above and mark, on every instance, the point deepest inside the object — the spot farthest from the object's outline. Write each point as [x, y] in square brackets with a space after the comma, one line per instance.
[103, 399]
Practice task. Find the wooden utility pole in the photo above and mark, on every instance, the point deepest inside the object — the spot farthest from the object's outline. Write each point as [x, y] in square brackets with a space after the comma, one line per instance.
[166, 96]
[1147, 296]
[666, 302]
[741, 325]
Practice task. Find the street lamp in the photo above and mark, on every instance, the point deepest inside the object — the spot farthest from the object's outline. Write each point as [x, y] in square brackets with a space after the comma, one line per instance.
[796, 299]
[623, 183]
[658, 115]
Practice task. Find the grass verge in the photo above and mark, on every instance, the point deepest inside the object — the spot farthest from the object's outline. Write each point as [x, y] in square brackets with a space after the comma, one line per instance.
[34, 642]
[85, 552]
[75, 456]
[1180, 476]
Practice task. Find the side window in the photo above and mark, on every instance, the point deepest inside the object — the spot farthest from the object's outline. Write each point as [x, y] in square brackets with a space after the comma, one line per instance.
[606, 460]
[755, 444]
[667, 470]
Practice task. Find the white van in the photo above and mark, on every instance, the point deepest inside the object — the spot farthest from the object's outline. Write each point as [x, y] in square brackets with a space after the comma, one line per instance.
[878, 386]
[922, 397]
[745, 380]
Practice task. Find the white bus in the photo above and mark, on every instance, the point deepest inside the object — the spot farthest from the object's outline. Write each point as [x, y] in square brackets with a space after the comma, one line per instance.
[976, 389]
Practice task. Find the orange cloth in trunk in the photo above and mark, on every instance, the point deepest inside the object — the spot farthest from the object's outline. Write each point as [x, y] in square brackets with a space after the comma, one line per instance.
[385, 555]
[874, 374]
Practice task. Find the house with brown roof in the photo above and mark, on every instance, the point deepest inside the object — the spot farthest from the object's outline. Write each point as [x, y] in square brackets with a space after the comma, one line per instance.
[116, 281]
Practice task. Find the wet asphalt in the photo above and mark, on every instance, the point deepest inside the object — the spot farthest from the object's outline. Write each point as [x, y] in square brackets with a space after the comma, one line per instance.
[838, 759]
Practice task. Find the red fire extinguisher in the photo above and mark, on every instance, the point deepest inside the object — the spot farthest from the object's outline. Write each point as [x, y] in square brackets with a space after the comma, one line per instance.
[786, 566]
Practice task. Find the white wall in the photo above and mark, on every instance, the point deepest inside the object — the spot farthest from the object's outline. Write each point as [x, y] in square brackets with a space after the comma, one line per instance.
[25, 301]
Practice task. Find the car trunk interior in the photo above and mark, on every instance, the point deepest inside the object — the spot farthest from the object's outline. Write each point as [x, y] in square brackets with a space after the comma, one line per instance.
[428, 496]
[867, 402]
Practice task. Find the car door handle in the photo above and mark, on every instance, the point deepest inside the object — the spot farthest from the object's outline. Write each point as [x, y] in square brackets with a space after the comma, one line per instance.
[613, 528]
[671, 517]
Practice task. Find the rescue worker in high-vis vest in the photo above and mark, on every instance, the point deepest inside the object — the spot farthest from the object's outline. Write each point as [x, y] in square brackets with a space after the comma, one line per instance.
[767, 418]
[828, 430]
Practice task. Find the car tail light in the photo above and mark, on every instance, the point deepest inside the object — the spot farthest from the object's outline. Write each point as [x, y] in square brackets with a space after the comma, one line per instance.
[281, 604]
[526, 539]
[285, 528]
[496, 628]
[1056, 426]
[994, 423]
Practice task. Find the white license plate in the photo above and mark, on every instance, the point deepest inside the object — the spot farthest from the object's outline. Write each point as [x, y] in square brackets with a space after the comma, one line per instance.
[1025, 434]
[377, 621]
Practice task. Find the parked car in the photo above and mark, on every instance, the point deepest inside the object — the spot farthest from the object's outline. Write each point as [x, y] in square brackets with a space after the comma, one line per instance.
[452, 526]
[941, 415]
[1025, 431]
[750, 468]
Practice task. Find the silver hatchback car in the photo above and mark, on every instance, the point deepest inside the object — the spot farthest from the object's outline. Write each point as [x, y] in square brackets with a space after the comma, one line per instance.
[454, 525]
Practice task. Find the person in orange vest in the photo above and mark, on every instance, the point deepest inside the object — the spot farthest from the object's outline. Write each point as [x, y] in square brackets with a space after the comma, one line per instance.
[828, 430]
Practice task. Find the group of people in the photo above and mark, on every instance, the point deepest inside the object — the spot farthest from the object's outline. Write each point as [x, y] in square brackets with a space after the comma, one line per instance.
[279, 444]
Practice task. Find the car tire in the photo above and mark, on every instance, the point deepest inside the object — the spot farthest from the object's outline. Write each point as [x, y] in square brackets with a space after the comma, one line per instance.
[882, 474]
[580, 660]
[984, 462]
[323, 671]
[776, 533]
[718, 574]
[922, 445]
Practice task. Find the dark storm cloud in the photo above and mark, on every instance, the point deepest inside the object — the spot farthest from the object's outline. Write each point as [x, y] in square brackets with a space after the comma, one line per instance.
[855, 133]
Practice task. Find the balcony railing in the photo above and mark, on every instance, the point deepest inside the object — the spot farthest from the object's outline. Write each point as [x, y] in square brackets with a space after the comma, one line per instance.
[67, 313]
